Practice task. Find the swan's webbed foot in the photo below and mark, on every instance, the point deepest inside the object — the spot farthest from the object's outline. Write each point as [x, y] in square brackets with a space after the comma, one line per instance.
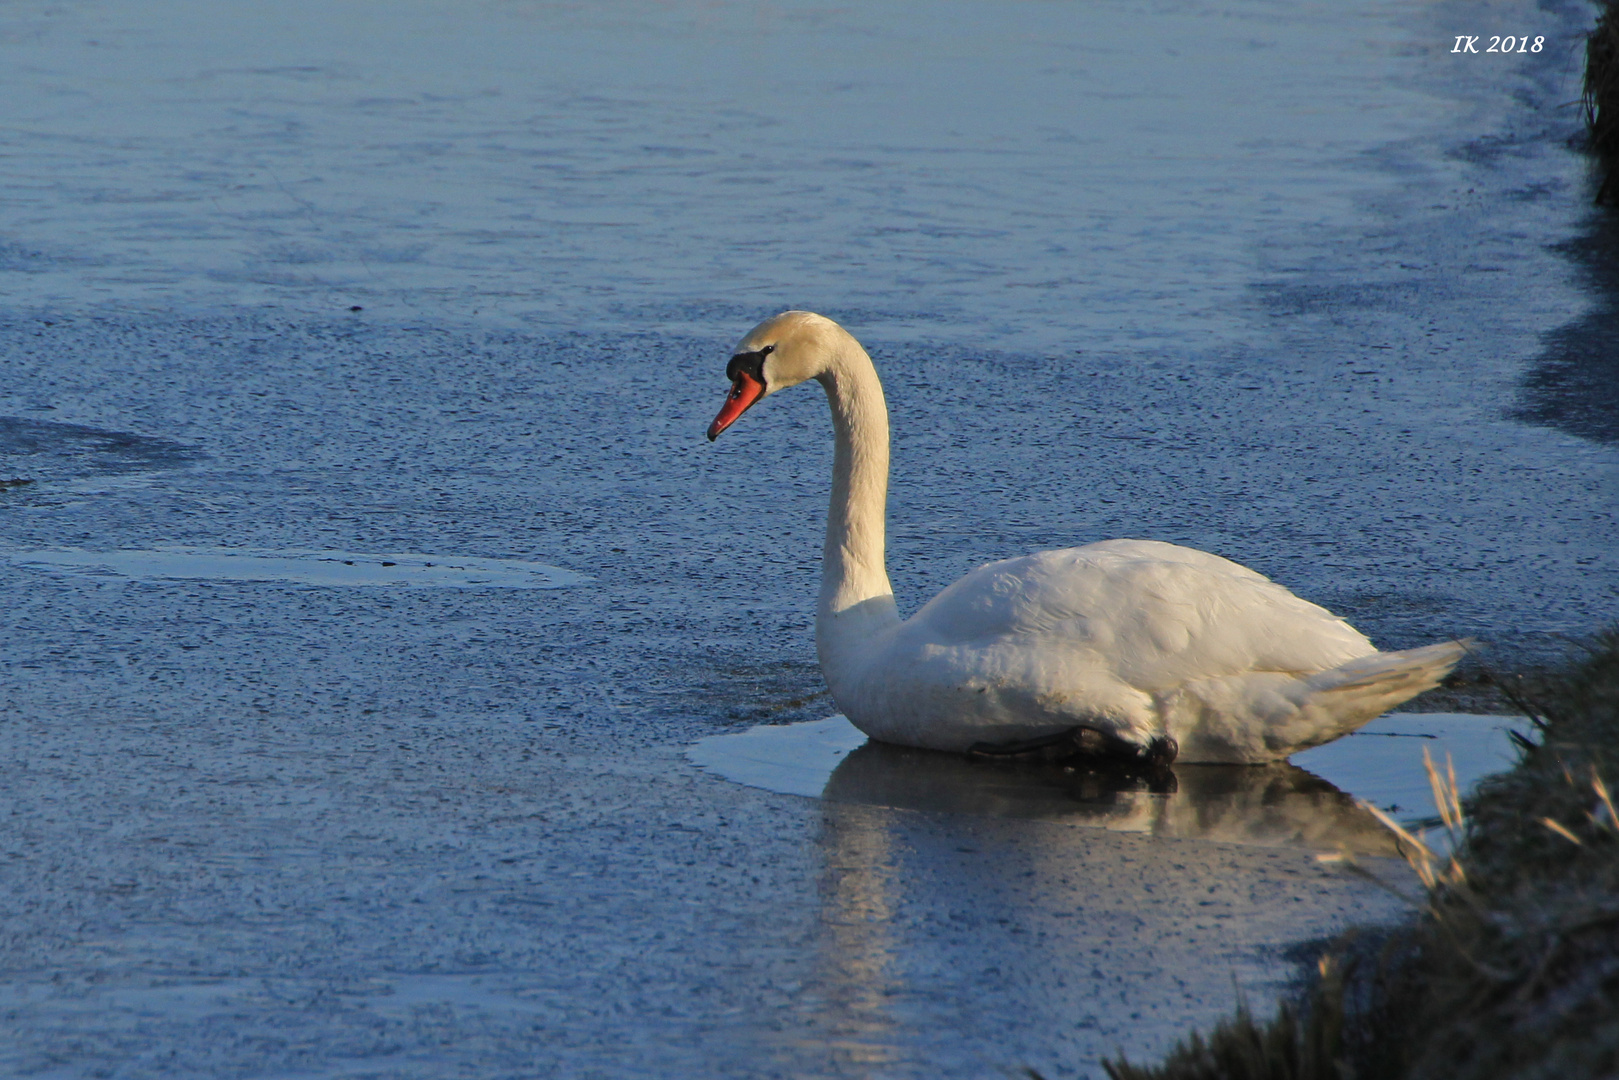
[1160, 752]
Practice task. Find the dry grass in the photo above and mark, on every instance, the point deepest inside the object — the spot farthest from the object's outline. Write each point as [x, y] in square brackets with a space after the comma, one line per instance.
[1601, 97]
[1511, 972]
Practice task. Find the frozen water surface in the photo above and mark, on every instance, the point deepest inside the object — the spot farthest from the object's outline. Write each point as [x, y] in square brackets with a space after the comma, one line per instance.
[1287, 282]
[551, 164]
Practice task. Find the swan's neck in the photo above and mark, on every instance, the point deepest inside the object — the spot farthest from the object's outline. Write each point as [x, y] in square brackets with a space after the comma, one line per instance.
[856, 599]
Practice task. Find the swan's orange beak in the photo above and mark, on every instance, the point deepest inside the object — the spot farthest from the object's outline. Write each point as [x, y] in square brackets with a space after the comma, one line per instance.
[744, 392]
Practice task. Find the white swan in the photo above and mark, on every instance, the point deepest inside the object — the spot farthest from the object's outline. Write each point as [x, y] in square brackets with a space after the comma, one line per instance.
[1131, 646]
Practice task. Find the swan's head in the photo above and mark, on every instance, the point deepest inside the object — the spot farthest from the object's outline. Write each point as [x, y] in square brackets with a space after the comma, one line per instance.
[778, 353]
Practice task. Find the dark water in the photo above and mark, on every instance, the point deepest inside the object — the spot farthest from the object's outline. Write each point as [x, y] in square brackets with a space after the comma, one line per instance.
[1574, 384]
[1292, 284]
[47, 452]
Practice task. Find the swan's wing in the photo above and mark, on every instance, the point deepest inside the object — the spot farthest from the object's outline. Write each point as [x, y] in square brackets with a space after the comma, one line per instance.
[1149, 614]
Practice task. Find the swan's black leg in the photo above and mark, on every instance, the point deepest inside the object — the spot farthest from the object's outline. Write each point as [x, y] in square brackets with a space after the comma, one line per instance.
[1062, 744]
[1081, 741]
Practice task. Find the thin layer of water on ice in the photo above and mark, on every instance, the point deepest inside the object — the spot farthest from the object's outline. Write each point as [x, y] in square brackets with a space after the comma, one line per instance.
[1382, 762]
[326, 568]
[1311, 801]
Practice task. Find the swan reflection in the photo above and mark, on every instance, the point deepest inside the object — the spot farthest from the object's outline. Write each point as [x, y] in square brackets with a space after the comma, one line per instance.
[1265, 804]
[1007, 927]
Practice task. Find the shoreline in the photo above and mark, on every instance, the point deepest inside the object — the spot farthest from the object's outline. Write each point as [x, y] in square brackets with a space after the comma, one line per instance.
[1502, 972]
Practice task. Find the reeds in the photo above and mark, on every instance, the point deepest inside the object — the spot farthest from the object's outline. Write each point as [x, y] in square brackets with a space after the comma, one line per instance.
[1422, 858]
[1511, 972]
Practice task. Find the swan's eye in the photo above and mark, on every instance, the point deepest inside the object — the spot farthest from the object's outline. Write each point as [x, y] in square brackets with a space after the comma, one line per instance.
[750, 363]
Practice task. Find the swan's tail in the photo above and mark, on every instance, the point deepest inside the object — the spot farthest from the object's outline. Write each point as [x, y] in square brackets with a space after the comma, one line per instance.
[1343, 698]
[1265, 716]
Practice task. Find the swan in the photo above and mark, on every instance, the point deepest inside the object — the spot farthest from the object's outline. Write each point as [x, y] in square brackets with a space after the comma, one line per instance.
[1135, 648]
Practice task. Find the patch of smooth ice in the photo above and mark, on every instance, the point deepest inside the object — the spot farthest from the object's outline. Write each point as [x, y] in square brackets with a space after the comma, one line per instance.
[325, 568]
[1284, 803]
[794, 759]
[1382, 762]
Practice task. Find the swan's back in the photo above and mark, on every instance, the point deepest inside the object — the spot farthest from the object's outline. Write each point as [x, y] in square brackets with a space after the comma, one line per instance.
[1160, 614]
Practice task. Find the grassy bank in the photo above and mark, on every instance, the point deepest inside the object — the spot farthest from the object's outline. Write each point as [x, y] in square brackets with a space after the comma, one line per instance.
[1511, 969]
[1602, 98]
